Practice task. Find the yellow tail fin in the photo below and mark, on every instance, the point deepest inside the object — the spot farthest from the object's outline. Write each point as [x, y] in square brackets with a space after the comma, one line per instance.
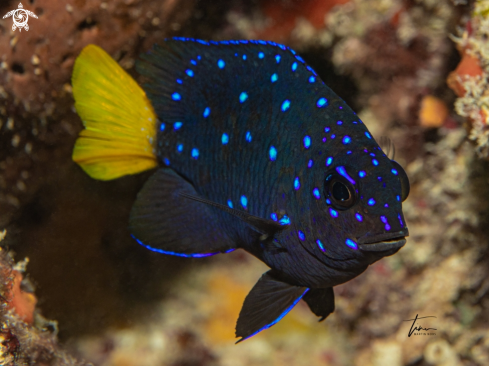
[120, 123]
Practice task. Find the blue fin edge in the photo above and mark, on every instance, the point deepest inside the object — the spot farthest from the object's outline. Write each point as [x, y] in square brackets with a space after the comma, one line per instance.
[196, 255]
[244, 41]
[286, 311]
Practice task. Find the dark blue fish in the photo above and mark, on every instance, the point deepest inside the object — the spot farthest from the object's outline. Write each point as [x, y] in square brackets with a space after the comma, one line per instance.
[256, 152]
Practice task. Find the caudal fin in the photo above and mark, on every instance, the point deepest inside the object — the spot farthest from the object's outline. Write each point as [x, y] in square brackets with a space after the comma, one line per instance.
[120, 123]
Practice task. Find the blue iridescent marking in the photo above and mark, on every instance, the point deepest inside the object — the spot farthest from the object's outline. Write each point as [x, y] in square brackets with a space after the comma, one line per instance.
[244, 201]
[316, 194]
[277, 57]
[272, 153]
[176, 96]
[230, 203]
[383, 219]
[339, 122]
[342, 171]
[177, 125]
[162, 127]
[294, 66]
[310, 163]
[333, 136]
[307, 142]
[301, 235]
[362, 174]
[368, 135]
[280, 317]
[166, 161]
[325, 139]
[179, 148]
[372, 154]
[333, 213]
[273, 216]
[297, 183]
[386, 205]
[248, 136]
[193, 62]
[400, 220]
[274, 78]
[195, 153]
[346, 140]
[329, 161]
[375, 162]
[179, 81]
[312, 79]
[359, 217]
[244, 57]
[326, 129]
[321, 102]
[320, 245]
[207, 111]
[398, 198]
[328, 201]
[284, 220]
[351, 244]
[194, 255]
[371, 202]
[242, 97]
[261, 55]
[189, 72]
[225, 138]
[221, 64]
[348, 152]
[285, 105]
[379, 179]
[394, 171]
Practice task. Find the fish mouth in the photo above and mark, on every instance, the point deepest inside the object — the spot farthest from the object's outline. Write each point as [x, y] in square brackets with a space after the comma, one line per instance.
[383, 242]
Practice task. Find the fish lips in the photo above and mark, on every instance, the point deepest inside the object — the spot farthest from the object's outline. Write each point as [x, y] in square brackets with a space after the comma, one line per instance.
[383, 242]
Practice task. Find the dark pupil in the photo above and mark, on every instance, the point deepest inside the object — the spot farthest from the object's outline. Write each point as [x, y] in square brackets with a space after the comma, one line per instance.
[340, 192]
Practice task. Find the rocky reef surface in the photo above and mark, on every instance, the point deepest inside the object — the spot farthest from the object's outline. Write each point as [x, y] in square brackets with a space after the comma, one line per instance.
[414, 70]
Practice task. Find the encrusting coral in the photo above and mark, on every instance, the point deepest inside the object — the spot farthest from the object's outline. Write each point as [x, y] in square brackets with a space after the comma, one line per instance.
[26, 338]
[470, 80]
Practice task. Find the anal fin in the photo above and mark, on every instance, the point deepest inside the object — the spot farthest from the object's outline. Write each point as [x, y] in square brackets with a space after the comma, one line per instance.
[266, 304]
[320, 301]
[164, 221]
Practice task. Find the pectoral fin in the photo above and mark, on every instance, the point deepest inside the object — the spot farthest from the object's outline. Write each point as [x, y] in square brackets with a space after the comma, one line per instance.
[266, 304]
[320, 301]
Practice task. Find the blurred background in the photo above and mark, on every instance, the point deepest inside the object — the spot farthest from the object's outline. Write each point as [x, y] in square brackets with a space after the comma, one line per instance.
[415, 71]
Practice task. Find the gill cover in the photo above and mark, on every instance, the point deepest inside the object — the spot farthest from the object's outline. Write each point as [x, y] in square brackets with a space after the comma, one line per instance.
[120, 123]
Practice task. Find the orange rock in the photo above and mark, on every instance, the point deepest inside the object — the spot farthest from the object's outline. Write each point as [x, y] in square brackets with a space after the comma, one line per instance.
[433, 112]
[469, 65]
[284, 16]
[22, 302]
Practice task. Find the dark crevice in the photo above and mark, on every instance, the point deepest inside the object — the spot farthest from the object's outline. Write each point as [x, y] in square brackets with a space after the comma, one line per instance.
[88, 23]
[18, 68]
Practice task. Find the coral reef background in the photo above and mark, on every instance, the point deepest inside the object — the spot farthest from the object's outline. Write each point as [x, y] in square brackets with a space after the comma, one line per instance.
[416, 71]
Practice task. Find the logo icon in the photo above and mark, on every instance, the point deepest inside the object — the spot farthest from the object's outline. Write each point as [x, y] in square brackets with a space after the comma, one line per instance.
[20, 17]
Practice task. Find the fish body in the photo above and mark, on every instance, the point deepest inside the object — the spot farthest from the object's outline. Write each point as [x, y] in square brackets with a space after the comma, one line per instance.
[256, 152]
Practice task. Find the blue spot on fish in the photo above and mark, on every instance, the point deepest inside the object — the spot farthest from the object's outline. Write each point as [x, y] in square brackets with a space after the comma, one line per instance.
[333, 213]
[312, 79]
[346, 140]
[242, 97]
[301, 235]
[371, 202]
[189, 72]
[221, 64]
[320, 245]
[351, 244]
[230, 203]
[225, 138]
[362, 174]
[274, 78]
[294, 66]
[285, 105]
[207, 112]
[244, 201]
[329, 161]
[307, 142]
[272, 153]
[284, 220]
[321, 102]
[195, 153]
[277, 58]
[261, 55]
[176, 96]
[177, 125]
[316, 194]
[310, 163]
[368, 135]
[248, 136]
[297, 183]
[359, 217]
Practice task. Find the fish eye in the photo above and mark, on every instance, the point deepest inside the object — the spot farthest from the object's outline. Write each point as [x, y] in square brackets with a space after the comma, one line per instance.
[340, 191]
[405, 187]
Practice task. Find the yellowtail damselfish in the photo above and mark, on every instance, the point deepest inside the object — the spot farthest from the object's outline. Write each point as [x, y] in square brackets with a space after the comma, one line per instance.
[253, 151]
